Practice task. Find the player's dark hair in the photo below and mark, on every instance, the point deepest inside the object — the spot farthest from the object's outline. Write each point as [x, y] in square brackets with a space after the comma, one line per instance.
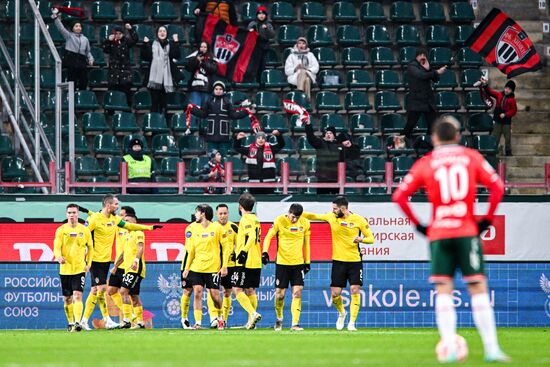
[107, 199]
[296, 209]
[129, 211]
[341, 201]
[446, 128]
[72, 205]
[222, 206]
[206, 210]
[247, 201]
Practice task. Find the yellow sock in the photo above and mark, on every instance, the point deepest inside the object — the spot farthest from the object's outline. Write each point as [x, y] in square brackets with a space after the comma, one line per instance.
[212, 310]
[127, 309]
[117, 300]
[139, 313]
[338, 303]
[354, 306]
[77, 310]
[296, 309]
[198, 316]
[102, 303]
[244, 301]
[69, 313]
[226, 307]
[90, 305]
[253, 301]
[279, 304]
[185, 300]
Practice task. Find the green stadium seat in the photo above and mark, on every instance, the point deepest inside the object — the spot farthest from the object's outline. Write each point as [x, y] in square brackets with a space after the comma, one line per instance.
[359, 79]
[310, 165]
[465, 141]
[392, 123]
[191, 34]
[164, 145]
[319, 35]
[370, 145]
[461, 12]
[97, 78]
[267, 101]
[57, 38]
[144, 30]
[374, 190]
[249, 139]
[393, 151]
[87, 166]
[480, 123]
[115, 101]
[6, 147]
[94, 123]
[343, 12]
[406, 55]
[356, 101]
[407, 35]
[239, 168]
[387, 79]
[289, 147]
[282, 12]
[154, 123]
[176, 101]
[377, 35]
[288, 34]
[111, 166]
[402, 11]
[386, 101]
[44, 7]
[105, 31]
[191, 145]
[402, 165]
[46, 57]
[124, 123]
[462, 33]
[100, 190]
[361, 123]
[236, 97]
[272, 122]
[85, 100]
[485, 144]
[468, 58]
[295, 168]
[354, 57]
[325, 57]
[173, 190]
[142, 101]
[330, 79]
[469, 77]
[446, 80]
[13, 168]
[432, 12]
[163, 11]
[300, 98]
[372, 11]
[304, 148]
[99, 57]
[312, 11]
[132, 11]
[437, 35]
[168, 166]
[27, 33]
[271, 58]
[176, 29]
[241, 125]
[248, 11]
[439, 56]
[187, 11]
[335, 120]
[137, 78]
[273, 79]
[106, 145]
[382, 56]
[473, 101]
[90, 32]
[178, 123]
[80, 143]
[103, 11]
[422, 144]
[128, 138]
[447, 101]
[348, 35]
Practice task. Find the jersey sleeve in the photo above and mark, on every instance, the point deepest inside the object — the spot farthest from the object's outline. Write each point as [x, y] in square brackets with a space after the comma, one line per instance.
[90, 246]
[223, 239]
[58, 242]
[307, 244]
[319, 217]
[368, 237]
[269, 236]
[190, 254]
[411, 182]
[132, 226]
[92, 222]
[250, 235]
[140, 237]
[188, 245]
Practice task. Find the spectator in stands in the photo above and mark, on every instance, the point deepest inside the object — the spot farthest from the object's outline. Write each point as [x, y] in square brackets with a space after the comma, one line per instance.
[301, 67]
[328, 155]
[351, 154]
[505, 109]
[223, 9]
[140, 167]
[117, 46]
[266, 31]
[421, 96]
[260, 159]
[218, 112]
[163, 73]
[202, 65]
[213, 171]
[77, 52]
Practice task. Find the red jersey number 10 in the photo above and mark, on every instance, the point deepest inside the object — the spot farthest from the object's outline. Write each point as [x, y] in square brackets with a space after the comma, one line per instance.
[453, 182]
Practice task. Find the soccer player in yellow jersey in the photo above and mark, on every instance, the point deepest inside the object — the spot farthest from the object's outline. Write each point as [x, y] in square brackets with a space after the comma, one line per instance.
[206, 262]
[103, 226]
[73, 250]
[249, 260]
[293, 234]
[348, 231]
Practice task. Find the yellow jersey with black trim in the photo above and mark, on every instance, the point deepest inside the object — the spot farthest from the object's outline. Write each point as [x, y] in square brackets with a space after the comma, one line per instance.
[131, 247]
[230, 230]
[248, 240]
[122, 237]
[76, 247]
[293, 240]
[206, 248]
[344, 231]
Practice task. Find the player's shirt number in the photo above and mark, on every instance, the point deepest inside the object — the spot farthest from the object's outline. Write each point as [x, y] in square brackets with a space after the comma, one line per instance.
[453, 182]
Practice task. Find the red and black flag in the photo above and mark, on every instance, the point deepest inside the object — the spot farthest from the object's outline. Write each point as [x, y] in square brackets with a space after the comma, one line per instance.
[238, 50]
[504, 44]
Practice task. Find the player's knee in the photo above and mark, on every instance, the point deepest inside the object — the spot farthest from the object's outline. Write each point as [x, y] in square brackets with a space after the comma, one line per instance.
[280, 293]
[250, 291]
[94, 290]
[67, 300]
[355, 289]
[136, 301]
[77, 296]
[297, 294]
[227, 293]
[124, 291]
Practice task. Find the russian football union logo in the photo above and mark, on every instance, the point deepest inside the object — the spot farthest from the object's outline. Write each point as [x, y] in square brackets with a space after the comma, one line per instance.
[545, 286]
[511, 46]
[171, 287]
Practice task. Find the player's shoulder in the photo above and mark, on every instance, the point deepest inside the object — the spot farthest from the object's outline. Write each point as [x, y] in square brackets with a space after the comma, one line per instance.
[83, 228]
[138, 235]
[280, 219]
[357, 218]
[191, 227]
[304, 221]
[62, 228]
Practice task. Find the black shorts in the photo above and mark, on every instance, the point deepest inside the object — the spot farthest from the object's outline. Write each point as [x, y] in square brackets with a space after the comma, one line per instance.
[293, 274]
[344, 272]
[185, 281]
[207, 280]
[226, 281]
[71, 283]
[115, 280]
[246, 278]
[99, 272]
[132, 281]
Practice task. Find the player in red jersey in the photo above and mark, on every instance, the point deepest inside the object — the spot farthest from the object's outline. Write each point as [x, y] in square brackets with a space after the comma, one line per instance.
[450, 175]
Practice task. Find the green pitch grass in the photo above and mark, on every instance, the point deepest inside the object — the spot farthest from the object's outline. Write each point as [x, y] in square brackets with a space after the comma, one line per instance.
[262, 347]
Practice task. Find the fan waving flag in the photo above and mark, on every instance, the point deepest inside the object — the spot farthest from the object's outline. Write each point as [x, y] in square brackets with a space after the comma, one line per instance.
[502, 42]
[238, 50]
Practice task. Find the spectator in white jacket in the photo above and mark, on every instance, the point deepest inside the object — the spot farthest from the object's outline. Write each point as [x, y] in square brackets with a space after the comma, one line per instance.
[301, 67]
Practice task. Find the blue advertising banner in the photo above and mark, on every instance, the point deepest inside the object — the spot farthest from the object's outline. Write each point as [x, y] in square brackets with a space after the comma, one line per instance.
[394, 295]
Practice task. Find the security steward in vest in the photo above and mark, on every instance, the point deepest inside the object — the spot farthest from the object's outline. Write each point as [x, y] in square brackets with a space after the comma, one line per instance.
[140, 167]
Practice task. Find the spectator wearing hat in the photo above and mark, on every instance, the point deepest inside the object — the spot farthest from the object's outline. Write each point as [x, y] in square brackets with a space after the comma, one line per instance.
[266, 33]
[77, 52]
[117, 46]
[213, 171]
[202, 65]
[301, 67]
[505, 109]
[260, 159]
[218, 112]
[223, 9]
[140, 167]
[328, 155]
[350, 153]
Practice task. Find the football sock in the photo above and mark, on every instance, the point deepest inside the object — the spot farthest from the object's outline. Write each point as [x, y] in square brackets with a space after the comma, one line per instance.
[102, 304]
[279, 304]
[296, 309]
[244, 301]
[445, 316]
[337, 302]
[253, 301]
[69, 313]
[212, 310]
[185, 300]
[354, 306]
[226, 307]
[139, 313]
[127, 309]
[90, 305]
[117, 300]
[77, 310]
[484, 319]
[198, 316]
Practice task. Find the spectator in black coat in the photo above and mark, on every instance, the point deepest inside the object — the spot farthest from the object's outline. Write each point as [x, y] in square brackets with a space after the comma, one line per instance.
[328, 155]
[202, 65]
[351, 154]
